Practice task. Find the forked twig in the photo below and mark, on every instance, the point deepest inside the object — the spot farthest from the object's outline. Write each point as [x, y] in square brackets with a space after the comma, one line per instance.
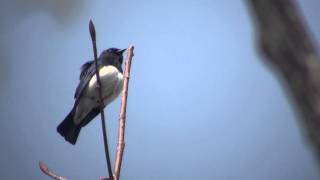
[122, 117]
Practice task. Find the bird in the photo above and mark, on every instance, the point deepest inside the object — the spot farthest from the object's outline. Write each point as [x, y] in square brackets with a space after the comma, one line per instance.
[87, 103]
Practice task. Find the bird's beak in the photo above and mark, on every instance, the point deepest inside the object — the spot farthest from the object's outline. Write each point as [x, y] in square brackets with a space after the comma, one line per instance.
[121, 51]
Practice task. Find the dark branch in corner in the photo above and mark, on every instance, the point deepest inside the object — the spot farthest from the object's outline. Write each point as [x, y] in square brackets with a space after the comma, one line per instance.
[103, 121]
[288, 46]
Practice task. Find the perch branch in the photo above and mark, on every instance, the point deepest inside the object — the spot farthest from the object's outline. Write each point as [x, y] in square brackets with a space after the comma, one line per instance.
[122, 115]
[44, 168]
[103, 122]
[287, 45]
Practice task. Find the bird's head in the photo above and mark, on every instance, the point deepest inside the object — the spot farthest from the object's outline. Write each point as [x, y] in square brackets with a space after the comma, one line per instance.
[113, 56]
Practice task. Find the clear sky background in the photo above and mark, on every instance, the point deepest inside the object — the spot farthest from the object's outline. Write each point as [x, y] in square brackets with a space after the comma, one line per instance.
[202, 104]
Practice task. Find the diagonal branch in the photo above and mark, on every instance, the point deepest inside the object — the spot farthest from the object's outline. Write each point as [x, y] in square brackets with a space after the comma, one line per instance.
[122, 116]
[287, 45]
[44, 168]
[103, 121]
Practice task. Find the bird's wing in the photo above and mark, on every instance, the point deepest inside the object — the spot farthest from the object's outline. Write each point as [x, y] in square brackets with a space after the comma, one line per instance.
[87, 71]
[84, 68]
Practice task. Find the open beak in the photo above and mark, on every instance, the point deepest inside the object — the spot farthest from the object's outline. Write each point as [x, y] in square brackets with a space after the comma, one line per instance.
[120, 51]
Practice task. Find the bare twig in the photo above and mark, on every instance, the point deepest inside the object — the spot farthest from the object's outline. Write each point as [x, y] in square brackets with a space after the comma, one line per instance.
[44, 168]
[286, 44]
[122, 116]
[103, 122]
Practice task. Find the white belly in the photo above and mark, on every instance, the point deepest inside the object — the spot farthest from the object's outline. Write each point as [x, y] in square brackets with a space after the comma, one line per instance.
[112, 81]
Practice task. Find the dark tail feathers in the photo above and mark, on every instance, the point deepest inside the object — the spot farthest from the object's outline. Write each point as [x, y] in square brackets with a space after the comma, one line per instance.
[68, 129]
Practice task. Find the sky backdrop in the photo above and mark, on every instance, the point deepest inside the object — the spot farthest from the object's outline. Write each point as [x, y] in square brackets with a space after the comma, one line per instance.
[202, 104]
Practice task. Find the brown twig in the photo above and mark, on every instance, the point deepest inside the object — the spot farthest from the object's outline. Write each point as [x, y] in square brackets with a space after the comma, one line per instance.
[103, 121]
[287, 45]
[122, 116]
[44, 168]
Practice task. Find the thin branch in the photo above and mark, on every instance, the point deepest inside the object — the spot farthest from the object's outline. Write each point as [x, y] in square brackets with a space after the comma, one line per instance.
[122, 116]
[287, 45]
[44, 168]
[105, 139]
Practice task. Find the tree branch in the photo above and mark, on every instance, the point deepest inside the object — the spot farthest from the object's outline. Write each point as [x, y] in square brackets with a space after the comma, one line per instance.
[103, 121]
[122, 116]
[287, 45]
[44, 168]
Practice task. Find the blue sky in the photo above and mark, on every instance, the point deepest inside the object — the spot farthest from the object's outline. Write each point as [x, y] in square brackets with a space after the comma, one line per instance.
[202, 104]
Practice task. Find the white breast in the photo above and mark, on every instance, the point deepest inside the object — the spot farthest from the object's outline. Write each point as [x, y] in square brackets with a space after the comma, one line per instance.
[112, 81]
[106, 73]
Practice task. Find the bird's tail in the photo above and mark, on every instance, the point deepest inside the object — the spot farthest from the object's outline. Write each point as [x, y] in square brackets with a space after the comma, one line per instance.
[68, 129]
